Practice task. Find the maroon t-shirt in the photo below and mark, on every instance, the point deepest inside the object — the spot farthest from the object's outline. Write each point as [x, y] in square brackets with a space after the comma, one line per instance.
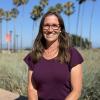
[51, 77]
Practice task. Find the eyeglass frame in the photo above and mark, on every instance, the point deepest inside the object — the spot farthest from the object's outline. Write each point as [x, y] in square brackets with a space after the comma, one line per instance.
[52, 26]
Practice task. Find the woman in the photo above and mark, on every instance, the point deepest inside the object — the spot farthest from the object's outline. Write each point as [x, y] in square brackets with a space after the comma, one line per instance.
[55, 70]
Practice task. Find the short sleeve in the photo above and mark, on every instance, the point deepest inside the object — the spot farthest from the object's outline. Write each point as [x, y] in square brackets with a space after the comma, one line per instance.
[29, 62]
[76, 57]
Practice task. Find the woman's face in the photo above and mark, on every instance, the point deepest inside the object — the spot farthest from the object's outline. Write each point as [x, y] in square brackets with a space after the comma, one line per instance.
[51, 28]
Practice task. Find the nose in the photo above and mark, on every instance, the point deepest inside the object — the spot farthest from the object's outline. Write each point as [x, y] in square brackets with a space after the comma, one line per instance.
[50, 29]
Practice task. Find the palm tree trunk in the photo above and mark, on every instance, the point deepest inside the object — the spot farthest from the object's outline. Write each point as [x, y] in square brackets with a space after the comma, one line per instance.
[0, 35]
[69, 24]
[17, 42]
[7, 32]
[14, 44]
[81, 30]
[77, 25]
[22, 27]
[8, 42]
[11, 41]
[33, 31]
[69, 30]
[90, 29]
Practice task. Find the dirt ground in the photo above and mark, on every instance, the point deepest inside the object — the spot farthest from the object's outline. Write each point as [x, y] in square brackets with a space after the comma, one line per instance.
[6, 95]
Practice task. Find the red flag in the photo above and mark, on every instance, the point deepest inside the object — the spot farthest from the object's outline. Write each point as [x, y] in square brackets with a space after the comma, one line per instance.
[8, 37]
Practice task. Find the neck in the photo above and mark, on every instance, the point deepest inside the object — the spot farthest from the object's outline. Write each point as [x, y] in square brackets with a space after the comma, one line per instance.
[52, 50]
[52, 45]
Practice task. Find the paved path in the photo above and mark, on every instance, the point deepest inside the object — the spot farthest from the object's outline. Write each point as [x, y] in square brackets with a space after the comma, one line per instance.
[6, 95]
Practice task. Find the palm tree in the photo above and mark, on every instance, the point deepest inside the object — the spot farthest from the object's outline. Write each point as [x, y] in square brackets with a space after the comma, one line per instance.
[35, 14]
[69, 10]
[52, 9]
[17, 2]
[7, 16]
[1, 18]
[58, 8]
[81, 28]
[80, 2]
[91, 19]
[14, 14]
[43, 3]
[23, 2]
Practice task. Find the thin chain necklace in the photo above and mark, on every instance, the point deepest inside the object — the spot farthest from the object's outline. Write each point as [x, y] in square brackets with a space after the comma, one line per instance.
[51, 53]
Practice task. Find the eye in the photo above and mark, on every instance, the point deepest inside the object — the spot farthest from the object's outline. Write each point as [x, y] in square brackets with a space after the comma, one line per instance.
[46, 25]
[54, 25]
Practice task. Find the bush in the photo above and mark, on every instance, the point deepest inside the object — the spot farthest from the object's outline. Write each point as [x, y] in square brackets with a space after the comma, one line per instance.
[92, 92]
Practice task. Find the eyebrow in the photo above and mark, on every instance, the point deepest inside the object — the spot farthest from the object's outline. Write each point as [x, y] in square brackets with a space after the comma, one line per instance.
[51, 24]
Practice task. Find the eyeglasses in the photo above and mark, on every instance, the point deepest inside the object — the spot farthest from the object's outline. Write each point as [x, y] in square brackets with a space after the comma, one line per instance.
[53, 26]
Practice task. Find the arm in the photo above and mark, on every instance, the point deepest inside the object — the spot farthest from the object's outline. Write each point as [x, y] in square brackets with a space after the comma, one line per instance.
[76, 82]
[32, 93]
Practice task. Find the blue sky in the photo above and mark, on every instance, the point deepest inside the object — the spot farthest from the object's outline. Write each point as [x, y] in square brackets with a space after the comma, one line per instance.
[24, 23]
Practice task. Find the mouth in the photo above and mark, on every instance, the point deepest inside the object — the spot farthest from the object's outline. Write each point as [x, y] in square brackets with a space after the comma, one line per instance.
[50, 35]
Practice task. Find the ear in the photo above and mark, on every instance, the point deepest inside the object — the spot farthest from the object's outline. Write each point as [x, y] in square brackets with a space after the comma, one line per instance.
[60, 31]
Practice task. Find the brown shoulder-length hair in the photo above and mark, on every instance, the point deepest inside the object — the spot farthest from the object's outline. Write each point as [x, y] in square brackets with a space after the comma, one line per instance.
[40, 42]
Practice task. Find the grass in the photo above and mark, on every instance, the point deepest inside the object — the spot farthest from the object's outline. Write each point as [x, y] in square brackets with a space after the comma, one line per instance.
[13, 73]
[91, 69]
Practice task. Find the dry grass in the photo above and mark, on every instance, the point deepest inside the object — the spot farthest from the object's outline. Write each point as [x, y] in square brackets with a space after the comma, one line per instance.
[13, 72]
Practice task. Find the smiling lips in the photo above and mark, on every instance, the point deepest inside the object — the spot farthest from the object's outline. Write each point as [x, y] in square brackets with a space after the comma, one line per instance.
[51, 35]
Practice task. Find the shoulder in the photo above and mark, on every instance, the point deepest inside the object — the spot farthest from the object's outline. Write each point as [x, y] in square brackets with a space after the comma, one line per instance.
[28, 60]
[28, 56]
[75, 57]
[74, 52]
[72, 49]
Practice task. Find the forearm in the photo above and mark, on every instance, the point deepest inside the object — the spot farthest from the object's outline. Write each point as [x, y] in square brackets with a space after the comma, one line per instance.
[74, 95]
[76, 83]
[32, 95]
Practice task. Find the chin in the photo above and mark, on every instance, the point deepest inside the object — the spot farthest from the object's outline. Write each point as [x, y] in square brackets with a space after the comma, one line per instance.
[51, 40]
